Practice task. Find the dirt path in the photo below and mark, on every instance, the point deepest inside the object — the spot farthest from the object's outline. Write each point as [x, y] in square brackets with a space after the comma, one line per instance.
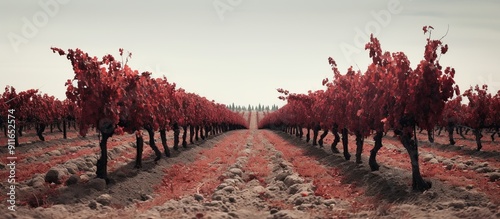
[257, 174]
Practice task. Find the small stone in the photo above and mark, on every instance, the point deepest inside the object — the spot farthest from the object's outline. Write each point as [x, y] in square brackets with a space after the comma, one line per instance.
[229, 181]
[37, 181]
[187, 200]
[73, 149]
[93, 205]
[273, 188]
[461, 166]
[54, 153]
[483, 170]
[329, 202]
[274, 211]
[258, 189]
[198, 197]
[298, 201]
[294, 189]
[457, 204]
[469, 187]
[117, 150]
[91, 159]
[284, 164]
[305, 206]
[104, 199]
[434, 161]
[80, 163]
[236, 171]
[469, 162]
[145, 197]
[447, 162]
[72, 168]
[84, 178]
[292, 179]
[449, 166]
[217, 197]
[221, 186]
[229, 189]
[494, 176]
[278, 154]
[483, 164]
[72, 180]
[281, 176]
[54, 175]
[427, 157]
[232, 199]
[213, 203]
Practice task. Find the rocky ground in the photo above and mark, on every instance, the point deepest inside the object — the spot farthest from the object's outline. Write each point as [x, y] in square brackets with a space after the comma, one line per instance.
[249, 174]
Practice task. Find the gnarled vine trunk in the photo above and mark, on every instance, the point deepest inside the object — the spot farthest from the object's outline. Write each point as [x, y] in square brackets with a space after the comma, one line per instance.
[16, 138]
[207, 130]
[322, 136]
[461, 132]
[430, 135]
[336, 140]
[176, 136]
[184, 136]
[494, 133]
[65, 132]
[345, 142]
[39, 131]
[152, 143]
[373, 152]
[451, 129]
[163, 136]
[359, 146]
[191, 134]
[478, 135]
[418, 183]
[102, 170]
[212, 130]
[316, 129]
[202, 136]
[20, 130]
[139, 141]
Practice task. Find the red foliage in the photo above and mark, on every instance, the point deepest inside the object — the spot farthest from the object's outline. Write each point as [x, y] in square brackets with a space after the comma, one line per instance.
[477, 113]
[114, 98]
[453, 112]
[98, 90]
[390, 91]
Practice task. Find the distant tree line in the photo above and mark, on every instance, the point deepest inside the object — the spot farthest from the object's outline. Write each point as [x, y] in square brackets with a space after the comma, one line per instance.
[252, 108]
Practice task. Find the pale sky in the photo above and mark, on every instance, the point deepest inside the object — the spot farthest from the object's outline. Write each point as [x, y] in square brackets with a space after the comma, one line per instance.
[242, 50]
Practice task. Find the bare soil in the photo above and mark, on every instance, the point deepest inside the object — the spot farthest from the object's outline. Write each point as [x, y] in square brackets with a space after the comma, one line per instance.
[251, 174]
